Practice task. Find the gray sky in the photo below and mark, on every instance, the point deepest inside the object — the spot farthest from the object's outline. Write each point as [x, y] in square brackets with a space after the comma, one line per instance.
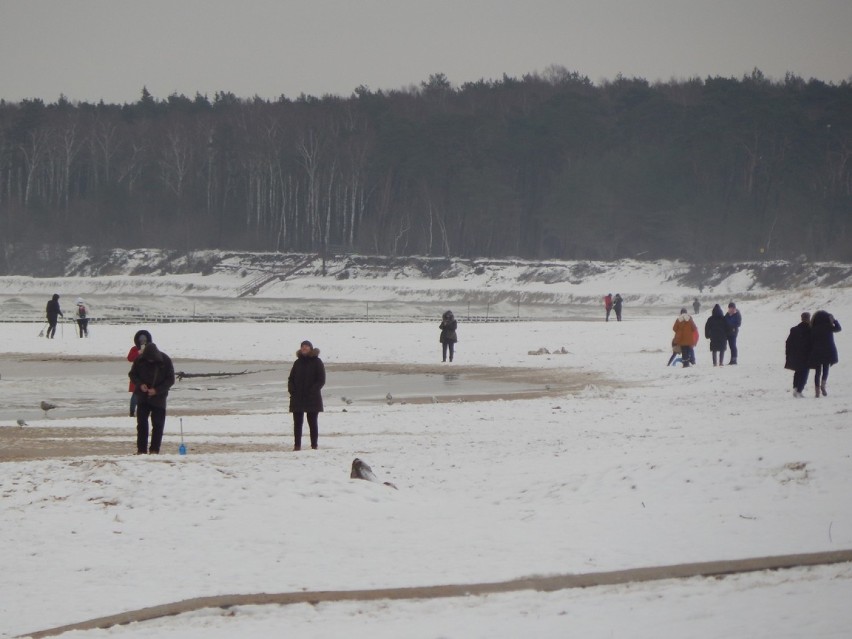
[108, 49]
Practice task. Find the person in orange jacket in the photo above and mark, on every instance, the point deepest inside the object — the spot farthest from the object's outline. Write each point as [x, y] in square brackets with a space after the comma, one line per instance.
[685, 336]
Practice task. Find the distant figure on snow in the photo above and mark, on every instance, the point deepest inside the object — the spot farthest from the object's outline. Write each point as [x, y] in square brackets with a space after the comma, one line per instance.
[307, 377]
[152, 374]
[696, 306]
[734, 320]
[716, 330]
[141, 338]
[823, 353]
[797, 348]
[448, 337]
[82, 314]
[53, 312]
[616, 306]
[608, 305]
[685, 331]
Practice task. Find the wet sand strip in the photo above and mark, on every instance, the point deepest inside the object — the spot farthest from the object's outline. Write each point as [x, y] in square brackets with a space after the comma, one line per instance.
[714, 569]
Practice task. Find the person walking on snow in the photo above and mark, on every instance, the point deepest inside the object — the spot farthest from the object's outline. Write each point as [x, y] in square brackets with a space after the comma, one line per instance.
[307, 377]
[823, 353]
[616, 306]
[141, 338]
[696, 306]
[716, 330]
[685, 331]
[797, 348]
[82, 314]
[608, 305]
[152, 374]
[734, 320]
[53, 313]
[448, 337]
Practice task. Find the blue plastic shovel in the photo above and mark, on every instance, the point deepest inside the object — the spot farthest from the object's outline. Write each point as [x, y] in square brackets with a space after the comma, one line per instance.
[182, 447]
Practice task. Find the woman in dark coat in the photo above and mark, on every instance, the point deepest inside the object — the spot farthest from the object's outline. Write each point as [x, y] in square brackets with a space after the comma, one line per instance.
[716, 330]
[823, 350]
[448, 337]
[307, 377]
[797, 348]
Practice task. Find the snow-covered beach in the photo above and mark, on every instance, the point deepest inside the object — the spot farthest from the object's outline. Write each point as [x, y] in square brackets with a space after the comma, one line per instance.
[643, 465]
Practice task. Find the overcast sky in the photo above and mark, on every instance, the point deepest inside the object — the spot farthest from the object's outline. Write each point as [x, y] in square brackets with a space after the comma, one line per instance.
[108, 49]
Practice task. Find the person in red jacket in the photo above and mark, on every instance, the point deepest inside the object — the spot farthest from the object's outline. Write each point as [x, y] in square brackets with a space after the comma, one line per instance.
[608, 305]
[139, 340]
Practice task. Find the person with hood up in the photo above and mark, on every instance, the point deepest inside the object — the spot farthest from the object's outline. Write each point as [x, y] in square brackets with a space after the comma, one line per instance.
[617, 301]
[53, 313]
[82, 318]
[448, 337]
[141, 338]
[307, 377]
[796, 351]
[152, 374]
[685, 331]
[823, 353]
[716, 330]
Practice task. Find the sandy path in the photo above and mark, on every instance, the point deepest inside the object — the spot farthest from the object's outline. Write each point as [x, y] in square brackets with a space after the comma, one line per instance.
[541, 584]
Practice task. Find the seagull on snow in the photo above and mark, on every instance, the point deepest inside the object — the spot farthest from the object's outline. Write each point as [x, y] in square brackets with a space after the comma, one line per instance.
[22, 423]
[47, 406]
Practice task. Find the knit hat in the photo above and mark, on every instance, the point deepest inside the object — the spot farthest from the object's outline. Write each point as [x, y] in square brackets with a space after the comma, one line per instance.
[307, 343]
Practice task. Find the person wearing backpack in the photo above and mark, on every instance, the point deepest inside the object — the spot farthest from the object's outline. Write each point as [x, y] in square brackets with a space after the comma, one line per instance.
[82, 314]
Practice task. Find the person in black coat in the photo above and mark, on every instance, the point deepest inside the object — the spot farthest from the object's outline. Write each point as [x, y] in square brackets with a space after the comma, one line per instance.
[617, 301]
[307, 377]
[797, 348]
[823, 350]
[53, 312]
[152, 374]
[449, 337]
[716, 330]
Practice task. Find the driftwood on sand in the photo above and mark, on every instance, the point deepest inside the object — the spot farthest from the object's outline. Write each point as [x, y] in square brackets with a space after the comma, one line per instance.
[360, 470]
[181, 375]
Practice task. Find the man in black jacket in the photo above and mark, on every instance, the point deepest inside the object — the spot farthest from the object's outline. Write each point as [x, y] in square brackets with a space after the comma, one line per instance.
[53, 312]
[153, 374]
[796, 349]
[307, 377]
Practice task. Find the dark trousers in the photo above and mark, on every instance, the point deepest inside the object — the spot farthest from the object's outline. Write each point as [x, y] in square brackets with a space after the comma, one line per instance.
[721, 357]
[618, 314]
[313, 425]
[732, 344]
[158, 424]
[821, 375]
[800, 378]
[608, 311]
[445, 346]
[133, 402]
[83, 325]
[51, 327]
[687, 355]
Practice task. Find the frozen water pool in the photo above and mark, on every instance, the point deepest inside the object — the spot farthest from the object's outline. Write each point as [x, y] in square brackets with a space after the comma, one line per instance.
[94, 387]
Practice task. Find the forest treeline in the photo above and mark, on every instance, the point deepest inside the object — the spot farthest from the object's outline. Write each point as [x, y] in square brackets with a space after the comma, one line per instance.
[550, 165]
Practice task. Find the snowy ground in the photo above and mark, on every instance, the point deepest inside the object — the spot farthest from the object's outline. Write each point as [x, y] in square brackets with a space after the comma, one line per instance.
[647, 465]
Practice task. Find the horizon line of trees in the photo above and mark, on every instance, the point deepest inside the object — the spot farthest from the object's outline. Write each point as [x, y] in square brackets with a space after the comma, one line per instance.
[545, 166]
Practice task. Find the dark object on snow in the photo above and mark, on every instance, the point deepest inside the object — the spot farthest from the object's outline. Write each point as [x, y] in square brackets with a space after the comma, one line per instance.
[360, 470]
[307, 377]
[53, 312]
[617, 301]
[823, 349]
[716, 330]
[448, 337]
[152, 374]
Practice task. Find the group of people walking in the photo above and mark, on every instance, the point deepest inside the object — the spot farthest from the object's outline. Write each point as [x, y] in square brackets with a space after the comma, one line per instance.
[810, 345]
[54, 312]
[722, 329]
[613, 304]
